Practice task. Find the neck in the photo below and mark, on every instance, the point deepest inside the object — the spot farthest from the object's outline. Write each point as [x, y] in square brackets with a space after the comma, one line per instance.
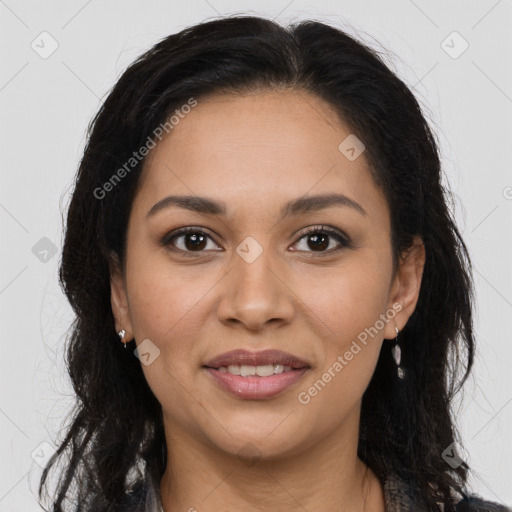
[326, 476]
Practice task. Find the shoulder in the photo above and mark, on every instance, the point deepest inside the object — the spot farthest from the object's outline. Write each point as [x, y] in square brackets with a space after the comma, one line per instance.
[400, 496]
[476, 503]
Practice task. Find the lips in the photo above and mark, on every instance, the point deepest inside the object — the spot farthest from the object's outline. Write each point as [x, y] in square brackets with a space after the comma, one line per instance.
[262, 358]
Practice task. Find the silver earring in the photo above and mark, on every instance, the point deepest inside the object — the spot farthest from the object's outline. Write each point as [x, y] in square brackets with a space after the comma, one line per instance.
[397, 356]
[121, 335]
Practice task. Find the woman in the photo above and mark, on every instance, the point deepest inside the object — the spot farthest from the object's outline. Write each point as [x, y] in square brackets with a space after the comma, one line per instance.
[273, 303]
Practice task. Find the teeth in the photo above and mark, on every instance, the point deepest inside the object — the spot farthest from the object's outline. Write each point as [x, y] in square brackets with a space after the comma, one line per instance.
[246, 371]
[260, 371]
[234, 369]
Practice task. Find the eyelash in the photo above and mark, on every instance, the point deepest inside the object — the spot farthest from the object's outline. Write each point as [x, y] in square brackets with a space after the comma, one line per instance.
[344, 241]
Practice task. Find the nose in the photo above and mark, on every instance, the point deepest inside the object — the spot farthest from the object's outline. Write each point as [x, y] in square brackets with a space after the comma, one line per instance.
[255, 294]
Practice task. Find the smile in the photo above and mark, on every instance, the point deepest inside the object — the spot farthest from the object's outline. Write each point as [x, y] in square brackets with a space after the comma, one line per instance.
[260, 371]
[241, 382]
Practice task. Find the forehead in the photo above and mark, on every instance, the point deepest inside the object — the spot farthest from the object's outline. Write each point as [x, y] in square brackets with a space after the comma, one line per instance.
[257, 148]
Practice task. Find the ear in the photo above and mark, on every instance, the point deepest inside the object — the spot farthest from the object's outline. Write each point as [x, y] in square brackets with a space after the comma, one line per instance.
[406, 285]
[119, 299]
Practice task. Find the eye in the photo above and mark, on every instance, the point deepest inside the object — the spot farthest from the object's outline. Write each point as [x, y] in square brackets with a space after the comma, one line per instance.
[193, 240]
[319, 238]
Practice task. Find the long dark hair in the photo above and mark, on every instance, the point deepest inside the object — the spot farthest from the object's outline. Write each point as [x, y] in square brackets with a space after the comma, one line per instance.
[115, 443]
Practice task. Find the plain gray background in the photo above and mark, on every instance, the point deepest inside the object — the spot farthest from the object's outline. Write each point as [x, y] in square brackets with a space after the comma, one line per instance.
[47, 101]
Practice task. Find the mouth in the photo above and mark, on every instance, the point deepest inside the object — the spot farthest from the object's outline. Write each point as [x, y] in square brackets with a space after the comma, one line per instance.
[263, 363]
[254, 371]
[256, 375]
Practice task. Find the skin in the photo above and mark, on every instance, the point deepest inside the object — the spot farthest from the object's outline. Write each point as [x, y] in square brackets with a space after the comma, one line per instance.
[255, 152]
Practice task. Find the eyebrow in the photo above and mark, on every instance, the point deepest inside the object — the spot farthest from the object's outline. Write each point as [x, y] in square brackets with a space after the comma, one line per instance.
[209, 206]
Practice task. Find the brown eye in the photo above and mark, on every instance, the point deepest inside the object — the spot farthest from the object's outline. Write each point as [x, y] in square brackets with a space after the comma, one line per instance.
[194, 240]
[189, 240]
[321, 240]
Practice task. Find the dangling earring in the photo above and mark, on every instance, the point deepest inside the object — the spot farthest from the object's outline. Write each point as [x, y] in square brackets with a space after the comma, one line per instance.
[397, 356]
[121, 335]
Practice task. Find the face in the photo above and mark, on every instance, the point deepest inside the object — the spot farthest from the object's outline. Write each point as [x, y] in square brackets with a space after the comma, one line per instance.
[310, 281]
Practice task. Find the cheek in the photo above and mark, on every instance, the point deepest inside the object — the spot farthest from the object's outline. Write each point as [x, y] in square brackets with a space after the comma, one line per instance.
[165, 308]
[169, 305]
[345, 301]
[163, 297]
[346, 310]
